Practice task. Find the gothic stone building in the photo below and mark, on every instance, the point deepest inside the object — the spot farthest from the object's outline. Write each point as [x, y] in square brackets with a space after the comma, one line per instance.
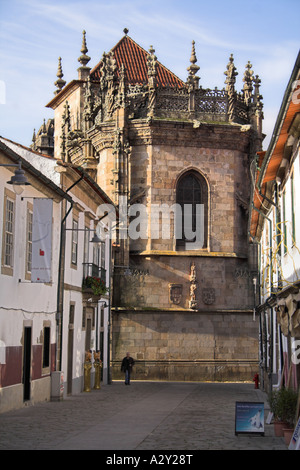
[182, 309]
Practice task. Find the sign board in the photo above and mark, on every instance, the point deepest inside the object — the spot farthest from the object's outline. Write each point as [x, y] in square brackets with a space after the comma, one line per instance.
[41, 240]
[249, 418]
[295, 441]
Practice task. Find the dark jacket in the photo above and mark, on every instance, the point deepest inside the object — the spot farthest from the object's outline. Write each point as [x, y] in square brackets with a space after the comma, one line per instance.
[127, 364]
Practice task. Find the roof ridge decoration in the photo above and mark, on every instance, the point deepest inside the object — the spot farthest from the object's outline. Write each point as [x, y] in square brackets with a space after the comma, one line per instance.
[130, 78]
[83, 71]
[43, 140]
[193, 68]
[134, 58]
[66, 128]
[84, 59]
[60, 83]
[248, 87]
[257, 97]
[149, 89]
[231, 74]
[152, 77]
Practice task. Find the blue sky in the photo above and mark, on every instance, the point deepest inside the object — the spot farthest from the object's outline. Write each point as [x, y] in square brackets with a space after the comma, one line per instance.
[34, 33]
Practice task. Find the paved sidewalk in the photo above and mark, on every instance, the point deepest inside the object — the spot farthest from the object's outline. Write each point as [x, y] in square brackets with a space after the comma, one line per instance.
[143, 416]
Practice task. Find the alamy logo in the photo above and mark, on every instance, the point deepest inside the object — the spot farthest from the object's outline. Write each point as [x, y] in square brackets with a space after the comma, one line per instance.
[161, 221]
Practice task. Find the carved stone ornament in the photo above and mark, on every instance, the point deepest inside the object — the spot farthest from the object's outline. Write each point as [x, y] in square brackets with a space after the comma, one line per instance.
[193, 277]
[208, 295]
[193, 287]
[175, 293]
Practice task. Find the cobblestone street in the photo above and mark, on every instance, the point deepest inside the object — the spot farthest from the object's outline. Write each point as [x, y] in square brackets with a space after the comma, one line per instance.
[144, 416]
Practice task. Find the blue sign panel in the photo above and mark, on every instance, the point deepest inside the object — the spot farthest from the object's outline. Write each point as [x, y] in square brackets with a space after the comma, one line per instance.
[249, 418]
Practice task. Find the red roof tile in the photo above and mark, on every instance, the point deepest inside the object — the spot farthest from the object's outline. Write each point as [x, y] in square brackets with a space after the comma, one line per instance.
[134, 59]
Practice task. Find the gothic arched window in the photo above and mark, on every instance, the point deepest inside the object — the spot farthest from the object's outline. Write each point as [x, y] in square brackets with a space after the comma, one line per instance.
[192, 200]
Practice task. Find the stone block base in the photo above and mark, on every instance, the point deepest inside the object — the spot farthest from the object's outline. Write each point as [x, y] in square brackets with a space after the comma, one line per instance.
[193, 371]
[186, 346]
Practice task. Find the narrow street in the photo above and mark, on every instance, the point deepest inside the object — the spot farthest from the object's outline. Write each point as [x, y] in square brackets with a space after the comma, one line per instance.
[150, 416]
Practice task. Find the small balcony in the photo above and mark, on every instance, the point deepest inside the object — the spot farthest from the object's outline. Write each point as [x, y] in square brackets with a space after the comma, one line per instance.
[94, 280]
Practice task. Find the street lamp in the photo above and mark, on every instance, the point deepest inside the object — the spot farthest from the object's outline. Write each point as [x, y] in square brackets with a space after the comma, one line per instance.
[19, 179]
[95, 238]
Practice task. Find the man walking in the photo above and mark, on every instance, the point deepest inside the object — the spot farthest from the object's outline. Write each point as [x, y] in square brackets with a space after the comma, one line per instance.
[126, 367]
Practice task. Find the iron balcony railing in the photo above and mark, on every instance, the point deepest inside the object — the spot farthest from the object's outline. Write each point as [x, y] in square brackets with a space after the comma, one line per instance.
[91, 269]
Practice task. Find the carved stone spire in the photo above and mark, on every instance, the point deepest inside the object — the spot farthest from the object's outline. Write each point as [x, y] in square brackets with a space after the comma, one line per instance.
[152, 72]
[83, 71]
[193, 68]
[60, 83]
[193, 287]
[257, 96]
[192, 80]
[88, 104]
[65, 129]
[152, 64]
[33, 145]
[111, 64]
[122, 87]
[44, 131]
[248, 87]
[256, 111]
[230, 73]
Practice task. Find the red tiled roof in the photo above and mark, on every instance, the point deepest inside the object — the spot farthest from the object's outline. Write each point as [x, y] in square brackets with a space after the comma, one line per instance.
[134, 59]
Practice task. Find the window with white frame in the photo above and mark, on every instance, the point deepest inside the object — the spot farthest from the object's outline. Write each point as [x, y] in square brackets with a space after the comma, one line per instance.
[86, 253]
[8, 232]
[86, 245]
[29, 241]
[284, 222]
[96, 255]
[74, 242]
[293, 209]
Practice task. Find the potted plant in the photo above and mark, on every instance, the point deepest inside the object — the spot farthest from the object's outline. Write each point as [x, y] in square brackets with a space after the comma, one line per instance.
[95, 284]
[283, 403]
[289, 405]
[273, 399]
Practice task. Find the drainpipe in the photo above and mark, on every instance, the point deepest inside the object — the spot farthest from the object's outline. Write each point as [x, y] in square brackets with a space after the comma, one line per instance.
[271, 349]
[109, 381]
[270, 233]
[271, 264]
[60, 282]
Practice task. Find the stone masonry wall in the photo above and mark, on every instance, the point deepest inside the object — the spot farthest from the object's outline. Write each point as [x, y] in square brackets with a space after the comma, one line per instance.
[187, 346]
[217, 340]
[148, 284]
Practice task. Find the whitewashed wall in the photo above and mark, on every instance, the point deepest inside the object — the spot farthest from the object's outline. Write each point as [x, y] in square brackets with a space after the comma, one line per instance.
[23, 303]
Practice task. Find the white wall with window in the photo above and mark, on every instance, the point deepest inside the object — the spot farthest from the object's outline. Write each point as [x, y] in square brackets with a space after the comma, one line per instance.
[279, 279]
[27, 309]
[280, 240]
[290, 213]
[84, 318]
[87, 327]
